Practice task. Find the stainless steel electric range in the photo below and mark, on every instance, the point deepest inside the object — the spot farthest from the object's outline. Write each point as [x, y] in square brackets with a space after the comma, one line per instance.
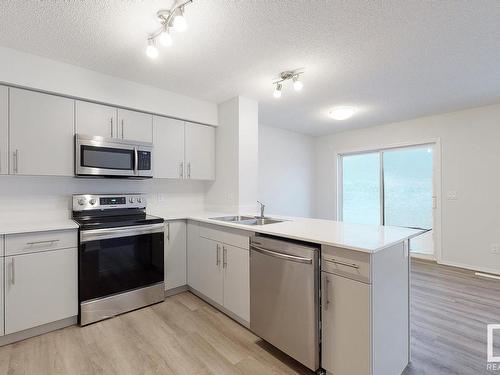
[120, 255]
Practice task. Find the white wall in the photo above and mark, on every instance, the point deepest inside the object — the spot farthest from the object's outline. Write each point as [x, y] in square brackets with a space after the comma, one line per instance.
[470, 165]
[286, 171]
[23, 69]
[236, 159]
[26, 198]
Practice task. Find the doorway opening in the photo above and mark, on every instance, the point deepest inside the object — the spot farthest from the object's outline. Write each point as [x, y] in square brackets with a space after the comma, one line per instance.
[392, 186]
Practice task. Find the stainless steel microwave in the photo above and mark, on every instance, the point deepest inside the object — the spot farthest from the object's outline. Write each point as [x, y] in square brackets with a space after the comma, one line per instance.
[110, 157]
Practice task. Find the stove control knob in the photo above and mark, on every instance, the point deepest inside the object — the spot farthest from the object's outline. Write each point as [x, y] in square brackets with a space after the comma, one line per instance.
[92, 201]
[139, 200]
[82, 201]
[131, 200]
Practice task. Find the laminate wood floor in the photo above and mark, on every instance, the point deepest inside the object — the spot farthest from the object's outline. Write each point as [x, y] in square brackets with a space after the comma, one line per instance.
[184, 335]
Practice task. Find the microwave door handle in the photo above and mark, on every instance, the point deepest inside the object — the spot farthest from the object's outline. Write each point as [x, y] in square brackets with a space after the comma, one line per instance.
[136, 162]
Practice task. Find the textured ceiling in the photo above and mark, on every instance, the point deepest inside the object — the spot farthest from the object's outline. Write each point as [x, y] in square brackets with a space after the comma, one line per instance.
[394, 60]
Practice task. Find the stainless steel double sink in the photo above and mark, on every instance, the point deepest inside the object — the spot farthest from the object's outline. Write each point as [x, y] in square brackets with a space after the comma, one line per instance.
[247, 220]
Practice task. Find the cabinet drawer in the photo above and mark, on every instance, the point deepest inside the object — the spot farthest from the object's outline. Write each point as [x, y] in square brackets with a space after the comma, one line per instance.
[349, 263]
[225, 235]
[40, 241]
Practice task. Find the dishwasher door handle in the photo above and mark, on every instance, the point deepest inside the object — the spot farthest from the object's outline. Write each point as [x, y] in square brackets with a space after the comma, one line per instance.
[276, 254]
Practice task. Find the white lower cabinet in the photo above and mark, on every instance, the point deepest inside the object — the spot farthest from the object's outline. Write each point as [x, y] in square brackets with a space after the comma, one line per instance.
[40, 288]
[237, 281]
[346, 326]
[1, 294]
[209, 265]
[175, 254]
[218, 269]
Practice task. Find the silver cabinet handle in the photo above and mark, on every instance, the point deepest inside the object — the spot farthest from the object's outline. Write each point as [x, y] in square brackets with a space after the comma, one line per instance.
[16, 161]
[13, 271]
[122, 130]
[224, 257]
[111, 122]
[217, 255]
[181, 170]
[41, 242]
[352, 265]
[327, 301]
[189, 170]
[168, 232]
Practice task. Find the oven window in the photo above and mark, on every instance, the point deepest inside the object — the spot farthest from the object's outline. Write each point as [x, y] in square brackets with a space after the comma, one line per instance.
[116, 265]
[107, 158]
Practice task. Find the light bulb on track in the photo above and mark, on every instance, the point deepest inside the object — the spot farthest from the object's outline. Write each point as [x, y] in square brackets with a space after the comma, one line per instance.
[151, 49]
[180, 23]
[297, 83]
[165, 38]
[277, 91]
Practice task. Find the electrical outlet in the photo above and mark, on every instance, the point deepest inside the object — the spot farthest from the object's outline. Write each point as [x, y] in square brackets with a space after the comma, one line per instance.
[495, 248]
[452, 195]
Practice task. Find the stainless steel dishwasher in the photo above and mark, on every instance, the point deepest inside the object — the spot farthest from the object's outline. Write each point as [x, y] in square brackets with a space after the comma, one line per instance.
[284, 297]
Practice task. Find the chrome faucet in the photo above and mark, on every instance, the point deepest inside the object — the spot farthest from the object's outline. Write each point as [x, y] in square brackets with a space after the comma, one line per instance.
[262, 207]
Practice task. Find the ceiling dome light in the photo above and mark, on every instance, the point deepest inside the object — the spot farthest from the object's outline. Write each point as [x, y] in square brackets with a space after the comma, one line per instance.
[180, 23]
[277, 91]
[165, 38]
[151, 50]
[342, 113]
[297, 83]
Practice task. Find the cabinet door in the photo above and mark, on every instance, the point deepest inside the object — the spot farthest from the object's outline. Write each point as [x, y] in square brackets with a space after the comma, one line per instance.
[209, 266]
[96, 120]
[1, 297]
[346, 326]
[168, 140]
[175, 254]
[236, 281]
[41, 134]
[4, 130]
[40, 288]
[200, 152]
[134, 125]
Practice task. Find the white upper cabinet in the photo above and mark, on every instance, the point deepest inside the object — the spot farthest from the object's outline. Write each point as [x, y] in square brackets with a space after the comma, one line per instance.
[4, 130]
[41, 134]
[168, 140]
[200, 152]
[96, 120]
[134, 125]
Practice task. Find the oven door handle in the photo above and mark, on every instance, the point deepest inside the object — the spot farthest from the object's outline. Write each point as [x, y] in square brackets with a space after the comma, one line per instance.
[108, 233]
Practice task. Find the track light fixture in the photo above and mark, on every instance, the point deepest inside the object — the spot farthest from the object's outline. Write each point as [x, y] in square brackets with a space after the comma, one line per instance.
[172, 19]
[287, 75]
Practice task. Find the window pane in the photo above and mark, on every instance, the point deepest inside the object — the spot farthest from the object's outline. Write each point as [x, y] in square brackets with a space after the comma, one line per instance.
[361, 188]
[408, 187]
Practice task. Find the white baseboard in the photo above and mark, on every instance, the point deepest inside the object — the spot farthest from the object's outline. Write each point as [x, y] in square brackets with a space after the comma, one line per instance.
[37, 331]
[467, 267]
[423, 256]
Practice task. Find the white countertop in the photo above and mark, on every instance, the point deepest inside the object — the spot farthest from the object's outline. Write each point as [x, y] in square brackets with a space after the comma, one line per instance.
[366, 238]
[359, 237]
[31, 225]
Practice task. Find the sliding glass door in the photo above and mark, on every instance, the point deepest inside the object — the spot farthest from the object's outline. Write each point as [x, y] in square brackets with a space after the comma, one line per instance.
[361, 188]
[390, 187]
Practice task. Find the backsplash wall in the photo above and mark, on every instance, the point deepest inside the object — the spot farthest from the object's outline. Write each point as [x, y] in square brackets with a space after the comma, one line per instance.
[34, 198]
